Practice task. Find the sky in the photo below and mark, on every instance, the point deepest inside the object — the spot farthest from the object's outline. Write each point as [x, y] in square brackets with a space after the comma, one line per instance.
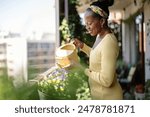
[26, 16]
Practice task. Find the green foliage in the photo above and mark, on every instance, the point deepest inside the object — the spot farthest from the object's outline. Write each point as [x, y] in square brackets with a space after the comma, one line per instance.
[66, 89]
[9, 92]
[27, 92]
[66, 35]
[74, 87]
[73, 28]
[83, 93]
[76, 2]
[75, 82]
[53, 87]
[31, 72]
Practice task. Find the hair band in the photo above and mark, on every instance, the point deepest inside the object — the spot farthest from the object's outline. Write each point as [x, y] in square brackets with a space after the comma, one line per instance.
[99, 11]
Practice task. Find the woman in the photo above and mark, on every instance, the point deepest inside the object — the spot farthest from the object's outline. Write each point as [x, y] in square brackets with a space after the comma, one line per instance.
[103, 55]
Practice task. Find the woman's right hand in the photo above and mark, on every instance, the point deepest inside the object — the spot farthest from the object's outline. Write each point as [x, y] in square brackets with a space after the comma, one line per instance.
[78, 43]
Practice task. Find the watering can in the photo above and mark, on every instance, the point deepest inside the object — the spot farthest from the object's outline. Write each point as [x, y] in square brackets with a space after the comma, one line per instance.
[66, 55]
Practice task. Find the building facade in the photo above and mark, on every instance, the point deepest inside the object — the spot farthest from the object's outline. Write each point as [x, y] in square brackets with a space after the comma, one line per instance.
[24, 59]
[41, 56]
[3, 58]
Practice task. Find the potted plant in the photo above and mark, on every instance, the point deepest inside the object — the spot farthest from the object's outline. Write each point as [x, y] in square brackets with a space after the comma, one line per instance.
[61, 84]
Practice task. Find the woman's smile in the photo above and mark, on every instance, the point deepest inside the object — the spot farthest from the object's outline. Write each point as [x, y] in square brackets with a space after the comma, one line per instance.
[92, 25]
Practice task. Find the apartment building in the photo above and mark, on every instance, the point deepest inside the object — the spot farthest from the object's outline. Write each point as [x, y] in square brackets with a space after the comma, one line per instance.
[41, 56]
[24, 59]
[2, 57]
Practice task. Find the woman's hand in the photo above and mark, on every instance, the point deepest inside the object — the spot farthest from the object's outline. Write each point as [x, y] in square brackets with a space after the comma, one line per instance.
[78, 43]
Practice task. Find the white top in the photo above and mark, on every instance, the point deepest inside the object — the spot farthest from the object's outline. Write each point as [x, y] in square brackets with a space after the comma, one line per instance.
[97, 41]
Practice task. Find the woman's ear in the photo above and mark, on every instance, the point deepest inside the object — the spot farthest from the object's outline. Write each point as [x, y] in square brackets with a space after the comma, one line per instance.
[102, 21]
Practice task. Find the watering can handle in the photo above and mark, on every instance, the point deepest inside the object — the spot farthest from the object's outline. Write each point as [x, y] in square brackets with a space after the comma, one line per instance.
[77, 48]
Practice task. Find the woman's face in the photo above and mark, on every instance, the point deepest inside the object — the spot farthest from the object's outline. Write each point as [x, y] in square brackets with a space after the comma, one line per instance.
[93, 25]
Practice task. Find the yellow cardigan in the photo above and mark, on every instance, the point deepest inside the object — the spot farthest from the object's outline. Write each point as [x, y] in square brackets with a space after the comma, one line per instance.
[102, 69]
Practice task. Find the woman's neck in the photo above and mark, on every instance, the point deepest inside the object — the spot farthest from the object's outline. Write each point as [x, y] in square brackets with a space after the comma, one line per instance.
[104, 32]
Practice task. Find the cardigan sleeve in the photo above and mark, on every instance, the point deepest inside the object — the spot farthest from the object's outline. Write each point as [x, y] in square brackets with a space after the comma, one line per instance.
[105, 76]
[86, 49]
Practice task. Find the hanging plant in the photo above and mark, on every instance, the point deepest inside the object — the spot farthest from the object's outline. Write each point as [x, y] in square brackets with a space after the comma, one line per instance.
[65, 31]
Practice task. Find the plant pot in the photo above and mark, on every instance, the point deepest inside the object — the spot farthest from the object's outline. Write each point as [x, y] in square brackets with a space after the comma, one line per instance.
[42, 96]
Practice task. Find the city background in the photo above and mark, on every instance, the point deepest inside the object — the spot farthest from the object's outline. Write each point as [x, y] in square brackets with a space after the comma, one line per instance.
[27, 38]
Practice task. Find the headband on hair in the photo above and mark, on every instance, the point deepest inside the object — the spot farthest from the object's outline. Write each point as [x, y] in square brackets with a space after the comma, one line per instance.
[99, 11]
